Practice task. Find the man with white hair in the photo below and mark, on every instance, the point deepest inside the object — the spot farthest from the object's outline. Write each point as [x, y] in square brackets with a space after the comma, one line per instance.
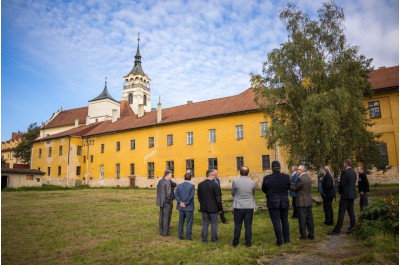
[304, 203]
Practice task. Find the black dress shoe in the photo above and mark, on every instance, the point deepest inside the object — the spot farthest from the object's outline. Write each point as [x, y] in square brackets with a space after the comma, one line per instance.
[303, 238]
[333, 233]
[310, 237]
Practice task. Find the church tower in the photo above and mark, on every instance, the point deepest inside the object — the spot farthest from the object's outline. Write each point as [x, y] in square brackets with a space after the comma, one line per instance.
[136, 88]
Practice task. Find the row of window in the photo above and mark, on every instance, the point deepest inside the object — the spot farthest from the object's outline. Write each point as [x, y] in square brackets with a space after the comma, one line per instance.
[212, 136]
[212, 164]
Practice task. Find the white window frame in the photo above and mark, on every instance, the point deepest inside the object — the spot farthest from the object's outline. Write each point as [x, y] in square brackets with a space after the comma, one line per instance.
[189, 138]
[239, 132]
[263, 129]
[101, 171]
[212, 135]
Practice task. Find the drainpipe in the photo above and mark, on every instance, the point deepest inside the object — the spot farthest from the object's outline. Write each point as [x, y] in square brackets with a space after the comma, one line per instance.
[87, 159]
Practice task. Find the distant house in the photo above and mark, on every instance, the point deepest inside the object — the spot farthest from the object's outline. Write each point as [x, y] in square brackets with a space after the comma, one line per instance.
[7, 151]
[21, 177]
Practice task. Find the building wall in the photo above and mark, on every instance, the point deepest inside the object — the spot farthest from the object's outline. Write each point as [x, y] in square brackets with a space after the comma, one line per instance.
[21, 180]
[388, 123]
[68, 160]
[7, 151]
[225, 149]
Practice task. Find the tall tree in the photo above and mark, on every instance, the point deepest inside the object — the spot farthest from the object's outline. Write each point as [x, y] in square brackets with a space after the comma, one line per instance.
[22, 151]
[312, 87]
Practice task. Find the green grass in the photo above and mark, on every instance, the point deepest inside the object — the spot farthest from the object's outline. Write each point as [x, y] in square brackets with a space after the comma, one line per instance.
[120, 226]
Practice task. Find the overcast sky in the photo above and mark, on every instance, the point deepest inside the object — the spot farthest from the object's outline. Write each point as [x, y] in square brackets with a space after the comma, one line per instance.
[57, 53]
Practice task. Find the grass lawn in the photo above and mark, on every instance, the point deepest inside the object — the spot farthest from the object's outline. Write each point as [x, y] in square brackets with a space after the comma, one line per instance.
[120, 226]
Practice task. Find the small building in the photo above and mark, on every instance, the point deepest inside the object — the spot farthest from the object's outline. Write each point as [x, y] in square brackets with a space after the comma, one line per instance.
[21, 177]
[7, 151]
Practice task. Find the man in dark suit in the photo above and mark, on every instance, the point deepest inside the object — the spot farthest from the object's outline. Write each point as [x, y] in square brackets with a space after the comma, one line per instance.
[164, 200]
[347, 191]
[304, 203]
[209, 195]
[328, 193]
[221, 214]
[276, 187]
[363, 187]
[184, 195]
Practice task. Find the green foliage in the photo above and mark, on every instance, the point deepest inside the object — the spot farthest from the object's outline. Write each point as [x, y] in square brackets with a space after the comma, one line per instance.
[22, 151]
[312, 87]
[381, 216]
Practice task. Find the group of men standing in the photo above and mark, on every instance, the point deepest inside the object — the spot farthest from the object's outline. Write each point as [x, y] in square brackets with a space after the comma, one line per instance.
[276, 187]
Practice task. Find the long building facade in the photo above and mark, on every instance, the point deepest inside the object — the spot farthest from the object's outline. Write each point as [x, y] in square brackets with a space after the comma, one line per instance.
[126, 143]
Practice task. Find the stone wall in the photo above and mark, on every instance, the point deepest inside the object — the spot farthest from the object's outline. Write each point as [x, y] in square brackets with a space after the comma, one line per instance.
[391, 176]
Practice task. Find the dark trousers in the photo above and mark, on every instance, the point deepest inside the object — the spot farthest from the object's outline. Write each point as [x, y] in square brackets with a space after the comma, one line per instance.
[328, 210]
[306, 220]
[240, 215]
[345, 204]
[165, 219]
[363, 200]
[294, 215]
[279, 219]
[210, 218]
[188, 215]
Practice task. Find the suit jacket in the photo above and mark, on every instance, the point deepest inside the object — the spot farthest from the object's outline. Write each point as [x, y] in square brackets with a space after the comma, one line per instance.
[243, 189]
[303, 191]
[276, 186]
[363, 184]
[209, 196]
[347, 184]
[164, 193]
[293, 180]
[328, 189]
[185, 193]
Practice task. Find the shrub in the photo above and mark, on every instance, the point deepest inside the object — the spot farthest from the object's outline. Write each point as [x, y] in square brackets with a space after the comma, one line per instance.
[381, 216]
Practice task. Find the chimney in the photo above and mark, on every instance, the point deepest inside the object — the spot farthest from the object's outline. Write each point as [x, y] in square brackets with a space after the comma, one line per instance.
[87, 120]
[159, 110]
[190, 102]
[140, 110]
[76, 122]
[114, 116]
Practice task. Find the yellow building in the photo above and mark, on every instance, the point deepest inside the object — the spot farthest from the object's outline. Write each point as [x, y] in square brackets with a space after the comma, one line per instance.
[383, 109]
[126, 141]
[123, 143]
[7, 151]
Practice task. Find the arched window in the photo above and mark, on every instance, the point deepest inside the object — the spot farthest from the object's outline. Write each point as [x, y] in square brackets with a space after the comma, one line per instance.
[130, 98]
[145, 100]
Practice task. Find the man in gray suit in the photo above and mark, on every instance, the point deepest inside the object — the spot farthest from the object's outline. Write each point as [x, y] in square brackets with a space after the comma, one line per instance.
[185, 197]
[165, 199]
[243, 189]
[304, 203]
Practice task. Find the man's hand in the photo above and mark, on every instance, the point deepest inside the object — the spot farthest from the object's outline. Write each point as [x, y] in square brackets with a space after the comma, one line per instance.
[361, 192]
[182, 205]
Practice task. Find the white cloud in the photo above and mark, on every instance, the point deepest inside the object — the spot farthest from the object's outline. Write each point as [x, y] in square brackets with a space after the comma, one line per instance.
[193, 50]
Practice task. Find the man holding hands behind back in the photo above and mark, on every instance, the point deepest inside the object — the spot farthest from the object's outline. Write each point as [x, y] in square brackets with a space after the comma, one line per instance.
[185, 197]
[243, 189]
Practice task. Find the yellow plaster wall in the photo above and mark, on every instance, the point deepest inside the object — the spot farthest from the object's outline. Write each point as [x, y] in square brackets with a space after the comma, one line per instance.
[226, 148]
[388, 124]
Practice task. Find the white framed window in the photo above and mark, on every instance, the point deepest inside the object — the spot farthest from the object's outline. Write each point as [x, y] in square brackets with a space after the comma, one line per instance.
[170, 139]
[212, 135]
[189, 138]
[263, 129]
[239, 132]
[101, 171]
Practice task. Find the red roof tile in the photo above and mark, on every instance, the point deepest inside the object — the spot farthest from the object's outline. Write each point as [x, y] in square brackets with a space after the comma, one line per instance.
[384, 78]
[211, 108]
[67, 117]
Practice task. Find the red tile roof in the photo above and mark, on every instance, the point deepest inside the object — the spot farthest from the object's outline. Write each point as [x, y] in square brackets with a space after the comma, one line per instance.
[243, 102]
[387, 77]
[67, 117]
